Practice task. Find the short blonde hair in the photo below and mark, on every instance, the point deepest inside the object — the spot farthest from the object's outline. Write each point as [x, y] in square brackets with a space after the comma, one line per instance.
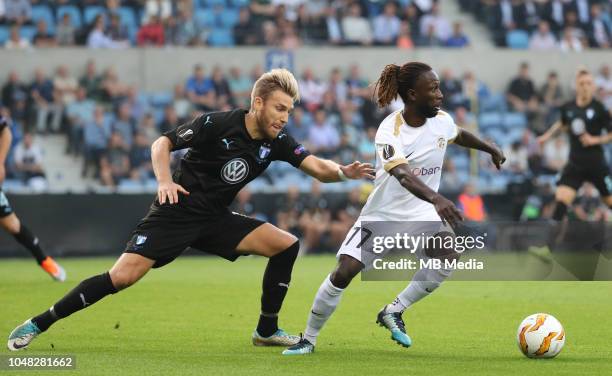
[276, 79]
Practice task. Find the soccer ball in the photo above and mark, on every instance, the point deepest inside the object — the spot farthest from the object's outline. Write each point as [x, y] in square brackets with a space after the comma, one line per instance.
[540, 336]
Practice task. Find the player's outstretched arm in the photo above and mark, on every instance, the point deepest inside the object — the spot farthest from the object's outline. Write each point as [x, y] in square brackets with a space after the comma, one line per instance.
[445, 208]
[550, 132]
[160, 158]
[470, 140]
[327, 171]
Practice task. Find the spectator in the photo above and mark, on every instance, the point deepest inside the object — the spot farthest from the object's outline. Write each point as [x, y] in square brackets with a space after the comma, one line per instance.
[180, 102]
[334, 31]
[91, 81]
[184, 30]
[471, 204]
[551, 96]
[465, 120]
[28, 158]
[570, 42]
[12, 91]
[412, 16]
[244, 204]
[43, 38]
[452, 91]
[65, 31]
[387, 25]
[441, 25]
[151, 33]
[528, 15]
[473, 89]
[554, 155]
[337, 87]
[112, 89]
[96, 135]
[222, 88]
[41, 92]
[458, 38]
[170, 120]
[289, 37]
[15, 41]
[430, 38]
[450, 181]
[65, 86]
[357, 86]
[118, 32]
[18, 12]
[124, 124]
[516, 158]
[345, 216]
[115, 161]
[290, 207]
[240, 85]
[521, 93]
[140, 158]
[245, 31]
[148, 129]
[270, 35]
[603, 83]
[356, 28]
[404, 39]
[137, 103]
[315, 220]
[553, 14]
[543, 39]
[312, 26]
[323, 136]
[599, 32]
[98, 38]
[161, 9]
[588, 206]
[298, 125]
[367, 150]
[79, 113]
[201, 90]
[311, 90]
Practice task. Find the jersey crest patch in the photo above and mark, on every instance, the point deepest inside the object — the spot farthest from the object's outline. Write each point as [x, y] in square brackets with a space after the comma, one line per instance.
[441, 143]
[264, 151]
[388, 151]
[235, 171]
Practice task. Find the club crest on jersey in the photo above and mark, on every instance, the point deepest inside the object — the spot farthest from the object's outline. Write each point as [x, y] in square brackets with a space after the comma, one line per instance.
[590, 113]
[235, 171]
[578, 126]
[299, 150]
[388, 151]
[186, 134]
[441, 142]
[264, 151]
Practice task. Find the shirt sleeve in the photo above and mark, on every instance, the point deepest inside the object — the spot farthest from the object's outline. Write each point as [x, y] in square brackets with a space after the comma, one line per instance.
[289, 150]
[192, 133]
[389, 150]
[453, 130]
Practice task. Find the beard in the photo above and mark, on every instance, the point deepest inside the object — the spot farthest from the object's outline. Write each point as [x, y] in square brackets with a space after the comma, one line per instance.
[427, 110]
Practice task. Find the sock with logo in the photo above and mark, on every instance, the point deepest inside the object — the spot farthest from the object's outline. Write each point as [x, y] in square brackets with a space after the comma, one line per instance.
[325, 303]
[84, 295]
[274, 288]
[423, 283]
[28, 240]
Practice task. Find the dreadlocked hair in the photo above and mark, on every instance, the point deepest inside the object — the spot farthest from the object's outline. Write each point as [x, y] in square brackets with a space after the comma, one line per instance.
[395, 80]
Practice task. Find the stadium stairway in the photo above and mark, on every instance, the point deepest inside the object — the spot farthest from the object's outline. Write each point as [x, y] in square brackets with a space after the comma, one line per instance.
[63, 170]
[477, 33]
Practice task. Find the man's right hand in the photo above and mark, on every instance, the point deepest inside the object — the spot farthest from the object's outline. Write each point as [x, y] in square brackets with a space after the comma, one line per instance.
[447, 210]
[169, 190]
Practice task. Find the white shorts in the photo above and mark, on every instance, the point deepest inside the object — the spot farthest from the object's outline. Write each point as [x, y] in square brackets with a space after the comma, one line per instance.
[358, 241]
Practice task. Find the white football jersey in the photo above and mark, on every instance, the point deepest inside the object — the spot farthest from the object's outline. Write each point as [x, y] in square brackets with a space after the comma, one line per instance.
[423, 149]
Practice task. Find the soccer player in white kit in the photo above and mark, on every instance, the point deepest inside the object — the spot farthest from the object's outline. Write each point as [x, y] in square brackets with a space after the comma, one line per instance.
[410, 148]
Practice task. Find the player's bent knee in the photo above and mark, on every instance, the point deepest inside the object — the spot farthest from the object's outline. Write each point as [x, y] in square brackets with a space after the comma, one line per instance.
[346, 270]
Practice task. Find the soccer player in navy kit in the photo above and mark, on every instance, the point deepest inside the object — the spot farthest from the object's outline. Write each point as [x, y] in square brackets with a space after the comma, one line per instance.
[226, 151]
[585, 119]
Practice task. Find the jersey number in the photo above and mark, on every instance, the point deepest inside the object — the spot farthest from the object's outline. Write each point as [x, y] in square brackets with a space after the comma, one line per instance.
[367, 232]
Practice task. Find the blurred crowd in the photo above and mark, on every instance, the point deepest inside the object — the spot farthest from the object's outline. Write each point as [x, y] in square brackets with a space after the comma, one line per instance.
[274, 23]
[568, 25]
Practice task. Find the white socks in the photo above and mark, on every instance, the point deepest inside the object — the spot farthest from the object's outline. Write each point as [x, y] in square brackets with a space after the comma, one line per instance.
[324, 305]
[423, 283]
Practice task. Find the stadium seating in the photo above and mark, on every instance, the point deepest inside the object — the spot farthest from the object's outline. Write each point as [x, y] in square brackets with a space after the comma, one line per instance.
[221, 38]
[517, 39]
[43, 12]
[75, 14]
[91, 12]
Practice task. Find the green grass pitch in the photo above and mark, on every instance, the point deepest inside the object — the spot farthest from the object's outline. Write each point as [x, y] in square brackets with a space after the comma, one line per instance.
[196, 315]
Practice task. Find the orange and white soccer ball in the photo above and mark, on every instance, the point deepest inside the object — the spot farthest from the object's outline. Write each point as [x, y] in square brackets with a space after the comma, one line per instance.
[540, 336]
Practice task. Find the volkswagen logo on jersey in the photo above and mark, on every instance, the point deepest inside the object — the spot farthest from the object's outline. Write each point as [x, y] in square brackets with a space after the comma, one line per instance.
[235, 171]
[388, 151]
[186, 134]
[578, 126]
